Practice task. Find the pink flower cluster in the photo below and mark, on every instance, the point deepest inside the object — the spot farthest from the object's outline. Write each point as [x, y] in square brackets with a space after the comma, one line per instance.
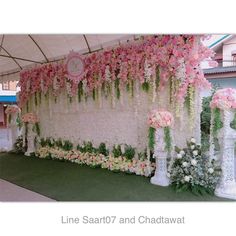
[138, 167]
[224, 99]
[160, 119]
[12, 109]
[127, 62]
[29, 118]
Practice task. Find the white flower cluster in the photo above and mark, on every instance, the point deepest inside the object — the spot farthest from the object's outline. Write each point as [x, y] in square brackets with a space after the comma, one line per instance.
[191, 168]
[136, 166]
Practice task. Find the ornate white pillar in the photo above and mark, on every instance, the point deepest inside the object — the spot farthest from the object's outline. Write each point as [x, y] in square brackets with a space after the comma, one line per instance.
[30, 139]
[160, 177]
[227, 136]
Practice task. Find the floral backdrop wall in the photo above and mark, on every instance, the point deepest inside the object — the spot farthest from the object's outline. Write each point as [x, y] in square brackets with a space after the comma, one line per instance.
[118, 88]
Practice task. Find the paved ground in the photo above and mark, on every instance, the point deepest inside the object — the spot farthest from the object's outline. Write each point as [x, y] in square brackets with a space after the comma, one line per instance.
[10, 193]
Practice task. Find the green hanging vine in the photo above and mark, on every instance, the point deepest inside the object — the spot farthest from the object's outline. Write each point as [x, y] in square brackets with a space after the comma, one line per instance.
[151, 138]
[233, 123]
[167, 139]
[217, 123]
[117, 88]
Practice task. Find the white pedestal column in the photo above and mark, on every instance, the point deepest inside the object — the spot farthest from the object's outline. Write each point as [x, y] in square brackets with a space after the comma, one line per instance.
[160, 177]
[30, 140]
[227, 186]
[12, 132]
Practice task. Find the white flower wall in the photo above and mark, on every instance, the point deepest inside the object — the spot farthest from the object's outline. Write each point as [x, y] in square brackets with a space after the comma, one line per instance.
[110, 120]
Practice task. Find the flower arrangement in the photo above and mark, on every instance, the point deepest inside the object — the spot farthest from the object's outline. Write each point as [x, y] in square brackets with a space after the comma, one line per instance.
[29, 118]
[160, 119]
[191, 170]
[144, 60]
[18, 145]
[12, 109]
[224, 99]
[135, 166]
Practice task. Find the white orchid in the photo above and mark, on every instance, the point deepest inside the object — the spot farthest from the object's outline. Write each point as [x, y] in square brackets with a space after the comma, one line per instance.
[179, 156]
[186, 178]
[194, 162]
[195, 152]
[210, 170]
[185, 164]
[182, 152]
[193, 140]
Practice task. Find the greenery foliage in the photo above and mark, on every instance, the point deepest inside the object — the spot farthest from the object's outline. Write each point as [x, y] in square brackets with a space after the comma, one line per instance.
[129, 152]
[117, 151]
[103, 150]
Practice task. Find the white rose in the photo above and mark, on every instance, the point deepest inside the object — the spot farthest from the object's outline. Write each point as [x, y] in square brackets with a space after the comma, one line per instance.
[193, 140]
[182, 152]
[195, 152]
[192, 147]
[194, 162]
[210, 170]
[186, 178]
[179, 156]
[185, 164]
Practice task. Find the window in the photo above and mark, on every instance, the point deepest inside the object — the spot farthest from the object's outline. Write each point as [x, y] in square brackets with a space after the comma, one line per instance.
[234, 59]
[6, 85]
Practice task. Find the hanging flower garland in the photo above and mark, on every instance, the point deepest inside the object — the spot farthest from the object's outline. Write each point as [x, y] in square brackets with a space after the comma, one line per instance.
[170, 55]
[160, 119]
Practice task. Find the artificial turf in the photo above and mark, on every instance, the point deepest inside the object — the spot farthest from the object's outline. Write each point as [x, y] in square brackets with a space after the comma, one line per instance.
[64, 181]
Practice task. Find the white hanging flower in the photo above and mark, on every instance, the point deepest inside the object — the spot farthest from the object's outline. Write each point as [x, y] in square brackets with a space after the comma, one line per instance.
[185, 164]
[195, 152]
[192, 147]
[186, 178]
[107, 74]
[147, 71]
[122, 147]
[193, 140]
[179, 156]
[182, 152]
[210, 170]
[194, 162]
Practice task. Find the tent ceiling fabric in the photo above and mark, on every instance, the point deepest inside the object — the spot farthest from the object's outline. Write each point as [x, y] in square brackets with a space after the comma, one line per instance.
[21, 51]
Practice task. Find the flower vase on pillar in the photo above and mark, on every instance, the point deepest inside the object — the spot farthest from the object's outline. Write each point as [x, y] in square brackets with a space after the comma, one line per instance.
[227, 136]
[160, 177]
[161, 122]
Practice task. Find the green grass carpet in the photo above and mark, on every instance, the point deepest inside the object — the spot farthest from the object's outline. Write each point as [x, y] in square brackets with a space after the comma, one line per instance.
[64, 181]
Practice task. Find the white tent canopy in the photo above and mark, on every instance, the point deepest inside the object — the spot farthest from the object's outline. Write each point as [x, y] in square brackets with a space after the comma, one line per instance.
[21, 51]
